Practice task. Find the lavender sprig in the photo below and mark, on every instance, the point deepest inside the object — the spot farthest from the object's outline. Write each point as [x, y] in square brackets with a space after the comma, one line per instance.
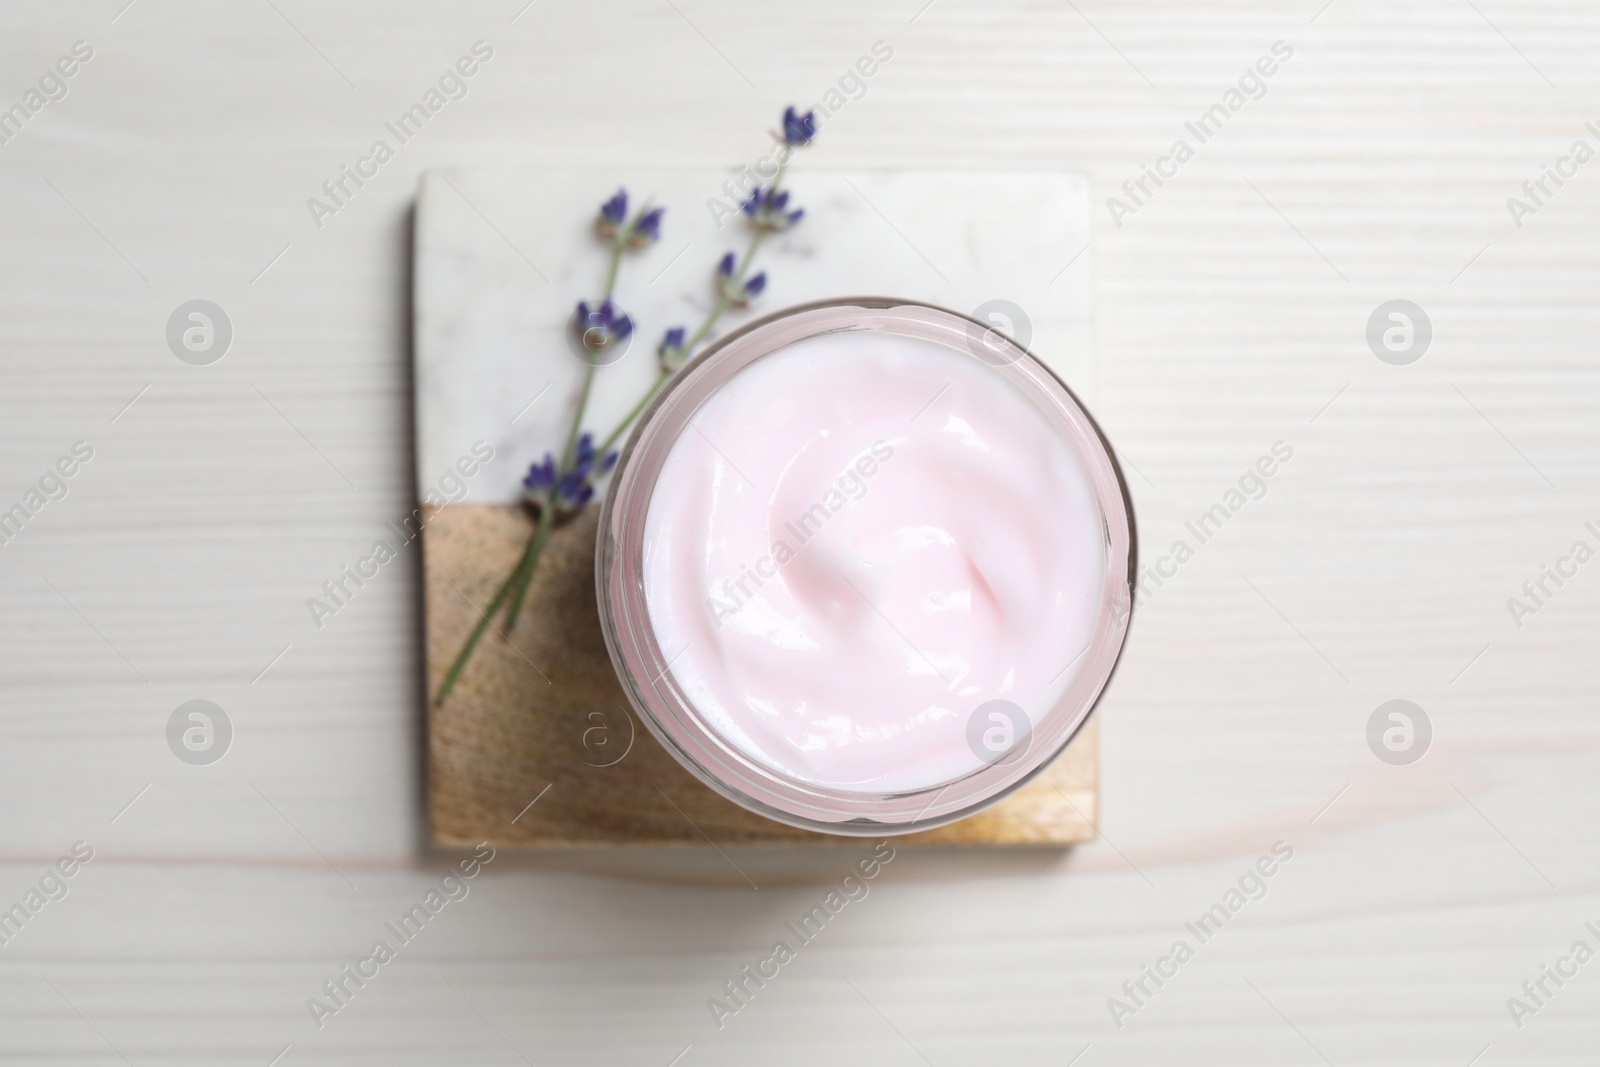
[559, 489]
[565, 487]
[768, 210]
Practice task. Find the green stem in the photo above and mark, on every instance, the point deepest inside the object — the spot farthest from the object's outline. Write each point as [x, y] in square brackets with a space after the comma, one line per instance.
[547, 517]
[577, 420]
[611, 439]
[483, 624]
[705, 327]
[517, 582]
[616, 261]
[723, 303]
[750, 254]
[570, 451]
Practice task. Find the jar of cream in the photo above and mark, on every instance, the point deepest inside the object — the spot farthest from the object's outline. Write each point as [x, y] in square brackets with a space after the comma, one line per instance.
[866, 567]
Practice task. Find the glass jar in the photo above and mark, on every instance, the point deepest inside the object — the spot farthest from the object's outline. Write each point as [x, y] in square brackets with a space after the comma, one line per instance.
[662, 700]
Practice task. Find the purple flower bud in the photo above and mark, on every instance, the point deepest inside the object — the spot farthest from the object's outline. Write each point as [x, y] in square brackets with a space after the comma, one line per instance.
[648, 228]
[768, 209]
[799, 129]
[669, 355]
[725, 267]
[608, 461]
[754, 286]
[574, 490]
[615, 209]
[541, 475]
[600, 327]
[609, 318]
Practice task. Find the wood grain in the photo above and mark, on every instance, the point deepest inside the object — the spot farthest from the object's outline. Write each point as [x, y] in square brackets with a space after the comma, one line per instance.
[1420, 898]
[539, 714]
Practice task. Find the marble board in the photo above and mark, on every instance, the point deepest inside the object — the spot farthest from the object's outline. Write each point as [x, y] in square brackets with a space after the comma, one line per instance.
[536, 747]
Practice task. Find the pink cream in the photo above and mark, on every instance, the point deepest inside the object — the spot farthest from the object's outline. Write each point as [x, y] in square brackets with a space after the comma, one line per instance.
[860, 540]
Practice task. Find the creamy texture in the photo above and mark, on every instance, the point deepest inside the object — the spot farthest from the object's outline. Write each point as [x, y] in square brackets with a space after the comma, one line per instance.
[858, 541]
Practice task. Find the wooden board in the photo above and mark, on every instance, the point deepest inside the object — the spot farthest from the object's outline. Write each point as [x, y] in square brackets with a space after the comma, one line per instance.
[537, 746]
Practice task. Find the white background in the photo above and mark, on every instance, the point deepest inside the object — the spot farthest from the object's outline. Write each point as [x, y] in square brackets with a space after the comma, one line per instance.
[1230, 313]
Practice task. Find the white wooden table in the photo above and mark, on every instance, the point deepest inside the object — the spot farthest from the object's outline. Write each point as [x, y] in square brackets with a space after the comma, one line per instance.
[1231, 313]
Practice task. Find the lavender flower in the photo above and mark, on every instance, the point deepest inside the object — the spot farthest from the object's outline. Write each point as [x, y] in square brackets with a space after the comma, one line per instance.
[612, 212]
[769, 210]
[646, 228]
[671, 352]
[799, 130]
[612, 223]
[573, 489]
[541, 476]
[601, 327]
[731, 290]
[585, 456]
[570, 489]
